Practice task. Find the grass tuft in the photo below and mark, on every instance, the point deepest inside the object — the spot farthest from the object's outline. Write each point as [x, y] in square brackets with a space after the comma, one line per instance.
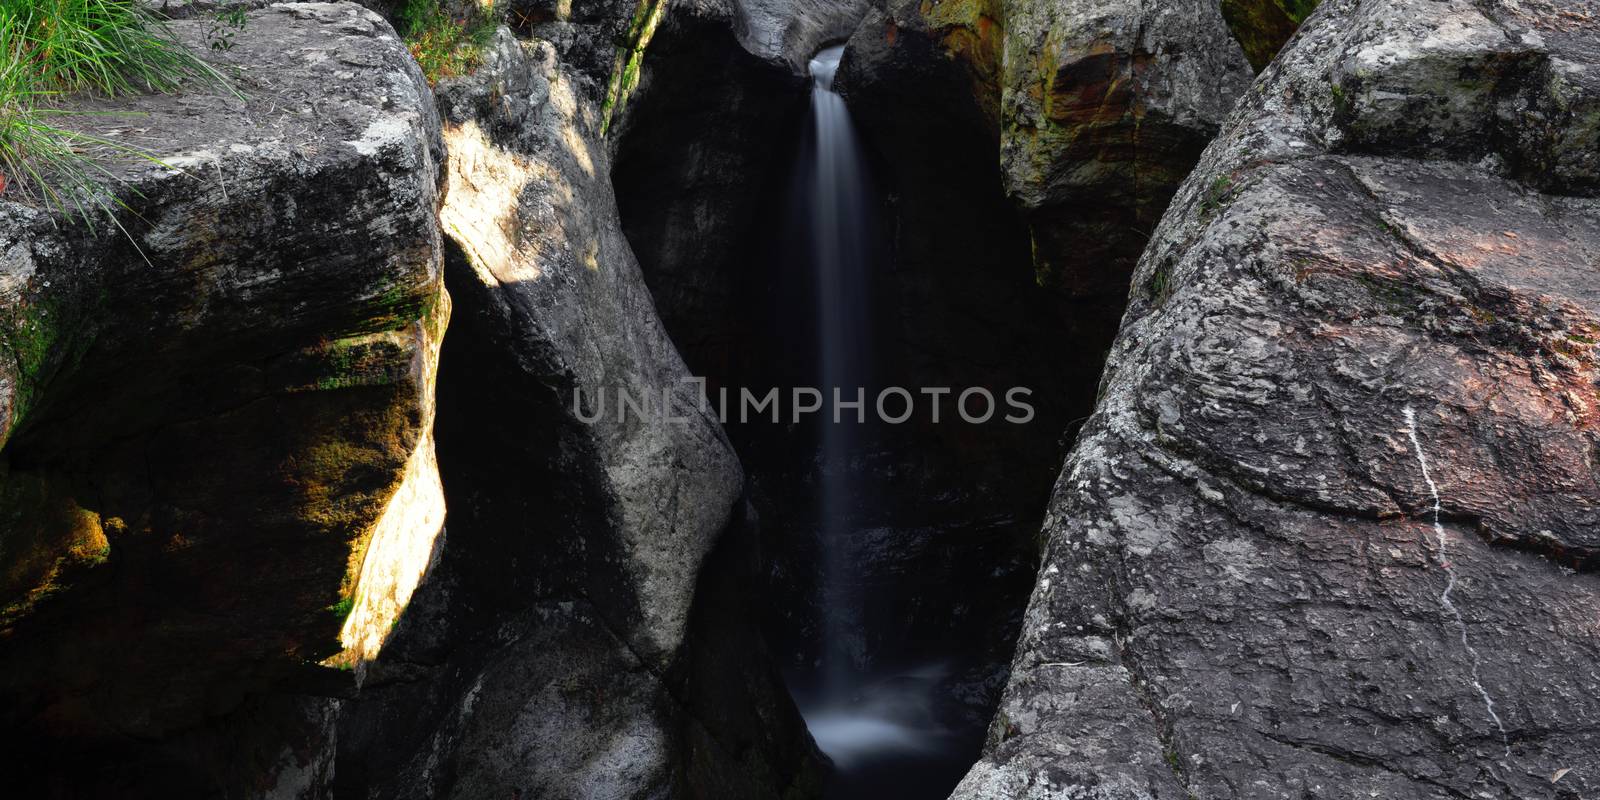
[343, 608]
[51, 48]
[445, 45]
[113, 47]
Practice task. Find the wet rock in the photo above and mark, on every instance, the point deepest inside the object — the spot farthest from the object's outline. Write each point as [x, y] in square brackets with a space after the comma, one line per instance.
[698, 171]
[793, 30]
[1330, 532]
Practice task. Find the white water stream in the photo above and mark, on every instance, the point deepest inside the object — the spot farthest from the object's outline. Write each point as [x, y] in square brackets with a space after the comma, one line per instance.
[865, 724]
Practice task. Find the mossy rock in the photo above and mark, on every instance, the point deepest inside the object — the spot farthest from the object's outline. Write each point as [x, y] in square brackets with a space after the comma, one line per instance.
[45, 539]
[970, 31]
[1262, 27]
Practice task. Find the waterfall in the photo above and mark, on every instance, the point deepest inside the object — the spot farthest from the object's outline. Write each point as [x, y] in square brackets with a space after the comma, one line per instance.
[875, 727]
[839, 254]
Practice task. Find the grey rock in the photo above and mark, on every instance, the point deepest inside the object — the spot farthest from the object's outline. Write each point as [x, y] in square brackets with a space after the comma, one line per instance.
[548, 652]
[210, 404]
[531, 207]
[1331, 527]
[1104, 109]
[793, 30]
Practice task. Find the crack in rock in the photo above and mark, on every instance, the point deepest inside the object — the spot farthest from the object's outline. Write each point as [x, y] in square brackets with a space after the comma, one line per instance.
[1445, 600]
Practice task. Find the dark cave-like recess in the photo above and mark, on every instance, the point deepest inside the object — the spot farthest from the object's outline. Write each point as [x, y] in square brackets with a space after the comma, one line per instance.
[945, 517]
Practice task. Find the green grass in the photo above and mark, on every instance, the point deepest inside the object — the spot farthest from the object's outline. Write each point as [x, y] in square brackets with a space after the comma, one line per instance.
[343, 608]
[445, 45]
[113, 47]
[1216, 194]
[53, 48]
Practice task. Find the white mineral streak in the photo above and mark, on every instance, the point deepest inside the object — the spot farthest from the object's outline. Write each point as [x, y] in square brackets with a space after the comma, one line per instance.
[1445, 600]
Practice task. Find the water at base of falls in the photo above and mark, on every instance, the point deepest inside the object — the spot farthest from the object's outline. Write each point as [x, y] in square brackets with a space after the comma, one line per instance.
[886, 739]
[883, 730]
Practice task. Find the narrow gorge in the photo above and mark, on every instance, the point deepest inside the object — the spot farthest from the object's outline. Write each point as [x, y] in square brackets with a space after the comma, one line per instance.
[800, 399]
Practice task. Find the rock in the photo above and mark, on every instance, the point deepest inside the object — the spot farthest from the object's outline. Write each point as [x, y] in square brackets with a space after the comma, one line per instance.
[1331, 525]
[696, 173]
[794, 30]
[532, 210]
[946, 55]
[549, 651]
[215, 405]
[1104, 110]
[1262, 27]
[1099, 110]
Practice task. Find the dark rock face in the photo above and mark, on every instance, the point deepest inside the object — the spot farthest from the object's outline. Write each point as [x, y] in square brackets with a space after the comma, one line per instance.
[702, 158]
[259, 492]
[1262, 27]
[1330, 532]
[210, 410]
[564, 643]
[1105, 108]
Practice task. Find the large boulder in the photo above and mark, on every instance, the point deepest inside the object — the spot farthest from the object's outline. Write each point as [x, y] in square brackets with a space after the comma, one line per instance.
[1105, 108]
[1332, 529]
[569, 640]
[217, 407]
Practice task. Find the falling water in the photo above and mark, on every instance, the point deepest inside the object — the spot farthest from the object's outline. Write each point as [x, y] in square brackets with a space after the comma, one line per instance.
[880, 730]
[838, 198]
[1445, 600]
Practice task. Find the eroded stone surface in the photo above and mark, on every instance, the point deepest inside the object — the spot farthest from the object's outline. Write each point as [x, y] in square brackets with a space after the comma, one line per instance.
[1105, 108]
[1330, 532]
[211, 403]
[547, 652]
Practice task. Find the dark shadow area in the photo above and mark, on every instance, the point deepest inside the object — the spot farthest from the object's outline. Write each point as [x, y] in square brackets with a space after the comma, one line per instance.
[940, 520]
[519, 625]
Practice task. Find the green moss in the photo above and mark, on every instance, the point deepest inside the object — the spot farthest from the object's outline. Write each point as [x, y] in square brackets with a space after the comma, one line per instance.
[1341, 99]
[343, 608]
[399, 303]
[1262, 27]
[630, 59]
[46, 541]
[31, 333]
